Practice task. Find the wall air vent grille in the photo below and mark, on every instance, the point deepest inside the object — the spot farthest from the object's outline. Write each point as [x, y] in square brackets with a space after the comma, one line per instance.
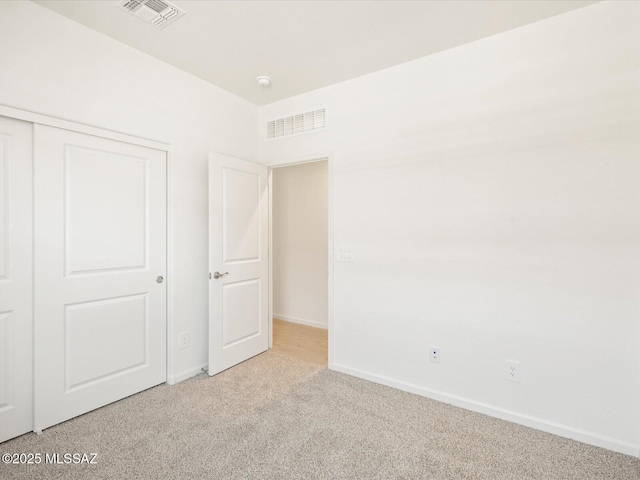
[297, 124]
[158, 13]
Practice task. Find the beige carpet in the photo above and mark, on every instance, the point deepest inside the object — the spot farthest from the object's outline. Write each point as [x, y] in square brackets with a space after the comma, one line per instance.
[277, 418]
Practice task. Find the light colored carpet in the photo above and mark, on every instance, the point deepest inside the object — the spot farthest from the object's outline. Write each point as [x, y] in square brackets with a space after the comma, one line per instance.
[277, 418]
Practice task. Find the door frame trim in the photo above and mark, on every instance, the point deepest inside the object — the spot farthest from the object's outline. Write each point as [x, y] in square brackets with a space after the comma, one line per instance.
[320, 157]
[39, 118]
[42, 119]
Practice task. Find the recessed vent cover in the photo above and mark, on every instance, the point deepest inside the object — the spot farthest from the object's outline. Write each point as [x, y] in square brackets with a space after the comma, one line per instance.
[296, 124]
[158, 13]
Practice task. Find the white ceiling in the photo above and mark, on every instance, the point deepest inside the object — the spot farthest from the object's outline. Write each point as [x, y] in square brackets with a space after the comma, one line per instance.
[304, 45]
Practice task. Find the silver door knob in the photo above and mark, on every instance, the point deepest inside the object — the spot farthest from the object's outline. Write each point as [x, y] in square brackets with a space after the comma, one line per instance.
[218, 275]
[160, 279]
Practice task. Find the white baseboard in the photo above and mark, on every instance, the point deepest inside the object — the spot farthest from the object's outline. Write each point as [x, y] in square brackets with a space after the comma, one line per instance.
[497, 412]
[301, 321]
[173, 379]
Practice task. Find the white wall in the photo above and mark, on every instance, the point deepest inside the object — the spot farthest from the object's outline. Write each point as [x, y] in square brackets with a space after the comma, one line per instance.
[300, 243]
[492, 195]
[52, 65]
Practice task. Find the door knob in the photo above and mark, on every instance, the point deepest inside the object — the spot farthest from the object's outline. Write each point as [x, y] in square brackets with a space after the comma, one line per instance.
[218, 275]
[160, 279]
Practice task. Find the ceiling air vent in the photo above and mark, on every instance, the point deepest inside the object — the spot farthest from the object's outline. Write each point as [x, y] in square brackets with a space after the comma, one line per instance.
[297, 124]
[158, 13]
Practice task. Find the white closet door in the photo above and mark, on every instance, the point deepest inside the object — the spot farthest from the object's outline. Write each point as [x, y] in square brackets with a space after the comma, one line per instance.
[100, 255]
[16, 268]
[238, 261]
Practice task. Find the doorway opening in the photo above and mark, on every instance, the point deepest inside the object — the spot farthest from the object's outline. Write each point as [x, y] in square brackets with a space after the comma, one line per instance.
[300, 260]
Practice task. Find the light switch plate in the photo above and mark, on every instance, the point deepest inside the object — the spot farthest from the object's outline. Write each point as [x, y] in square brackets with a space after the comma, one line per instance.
[345, 254]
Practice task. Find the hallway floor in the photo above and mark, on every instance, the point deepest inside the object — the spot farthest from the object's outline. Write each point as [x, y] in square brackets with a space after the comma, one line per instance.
[301, 342]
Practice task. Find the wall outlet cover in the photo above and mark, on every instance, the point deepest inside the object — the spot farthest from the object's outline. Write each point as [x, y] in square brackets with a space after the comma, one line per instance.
[434, 354]
[183, 339]
[512, 371]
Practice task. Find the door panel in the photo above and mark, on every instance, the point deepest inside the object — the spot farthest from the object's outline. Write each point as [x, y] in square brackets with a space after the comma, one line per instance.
[16, 316]
[104, 338]
[241, 230]
[115, 188]
[238, 244]
[240, 311]
[100, 216]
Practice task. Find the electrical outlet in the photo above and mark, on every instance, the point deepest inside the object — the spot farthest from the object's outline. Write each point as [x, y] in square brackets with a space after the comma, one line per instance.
[183, 339]
[434, 355]
[512, 371]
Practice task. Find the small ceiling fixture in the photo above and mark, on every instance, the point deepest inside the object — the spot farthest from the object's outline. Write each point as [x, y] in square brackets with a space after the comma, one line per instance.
[264, 81]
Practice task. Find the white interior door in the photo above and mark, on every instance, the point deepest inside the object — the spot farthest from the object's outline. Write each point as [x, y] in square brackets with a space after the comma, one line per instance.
[100, 255]
[16, 253]
[239, 250]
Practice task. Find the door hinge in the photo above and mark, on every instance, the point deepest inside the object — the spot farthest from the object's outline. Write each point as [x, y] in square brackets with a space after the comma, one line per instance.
[209, 275]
